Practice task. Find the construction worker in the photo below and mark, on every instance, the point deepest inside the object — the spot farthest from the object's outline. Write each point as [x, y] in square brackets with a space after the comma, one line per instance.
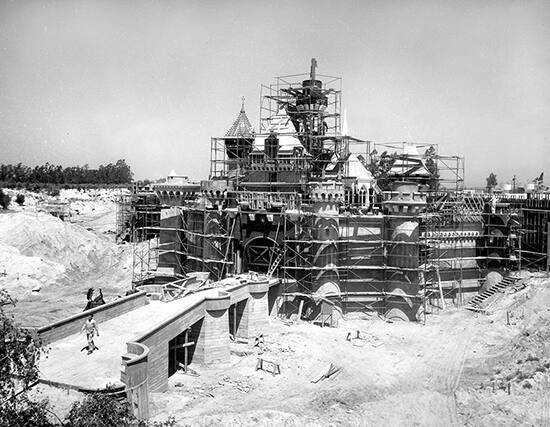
[90, 326]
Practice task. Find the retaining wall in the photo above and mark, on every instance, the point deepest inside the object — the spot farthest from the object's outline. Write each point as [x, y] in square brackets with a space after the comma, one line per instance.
[157, 340]
[73, 324]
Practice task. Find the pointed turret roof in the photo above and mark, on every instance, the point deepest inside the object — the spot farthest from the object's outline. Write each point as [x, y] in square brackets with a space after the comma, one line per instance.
[242, 126]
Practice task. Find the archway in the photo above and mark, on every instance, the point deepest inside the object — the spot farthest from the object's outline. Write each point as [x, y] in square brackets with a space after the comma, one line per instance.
[259, 253]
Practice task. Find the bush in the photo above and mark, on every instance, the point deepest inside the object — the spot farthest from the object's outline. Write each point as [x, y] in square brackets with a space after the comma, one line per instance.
[100, 410]
[104, 410]
[4, 199]
[27, 413]
[19, 354]
[53, 191]
[20, 199]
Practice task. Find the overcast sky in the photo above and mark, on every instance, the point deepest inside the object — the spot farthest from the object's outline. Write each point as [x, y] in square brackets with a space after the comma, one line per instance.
[95, 81]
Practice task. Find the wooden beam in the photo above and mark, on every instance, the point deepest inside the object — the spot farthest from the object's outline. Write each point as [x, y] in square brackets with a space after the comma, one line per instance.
[184, 345]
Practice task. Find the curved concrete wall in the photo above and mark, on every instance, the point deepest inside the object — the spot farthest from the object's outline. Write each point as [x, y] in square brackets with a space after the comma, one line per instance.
[135, 376]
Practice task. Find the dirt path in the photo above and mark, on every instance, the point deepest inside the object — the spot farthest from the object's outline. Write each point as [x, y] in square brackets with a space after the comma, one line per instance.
[449, 362]
[102, 222]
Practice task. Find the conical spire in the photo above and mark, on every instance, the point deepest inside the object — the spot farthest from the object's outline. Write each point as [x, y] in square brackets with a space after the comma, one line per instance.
[242, 126]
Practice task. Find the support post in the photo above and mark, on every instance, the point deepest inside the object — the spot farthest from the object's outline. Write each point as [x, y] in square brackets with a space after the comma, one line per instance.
[213, 341]
[519, 254]
[255, 316]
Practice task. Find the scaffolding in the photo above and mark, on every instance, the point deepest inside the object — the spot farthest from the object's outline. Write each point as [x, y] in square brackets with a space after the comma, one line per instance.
[124, 218]
[286, 90]
[145, 224]
[533, 233]
[321, 227]
[306, 111]
[206, 240]
[342, 257]
[422, 163]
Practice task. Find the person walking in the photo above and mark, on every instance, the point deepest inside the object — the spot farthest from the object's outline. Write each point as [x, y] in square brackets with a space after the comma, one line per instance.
[90, 327]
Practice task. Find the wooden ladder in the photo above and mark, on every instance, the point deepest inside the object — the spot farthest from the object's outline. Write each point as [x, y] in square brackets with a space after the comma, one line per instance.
[275, 263]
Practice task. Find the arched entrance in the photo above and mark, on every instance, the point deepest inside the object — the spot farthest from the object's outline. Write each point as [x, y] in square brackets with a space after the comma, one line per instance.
[259, 253]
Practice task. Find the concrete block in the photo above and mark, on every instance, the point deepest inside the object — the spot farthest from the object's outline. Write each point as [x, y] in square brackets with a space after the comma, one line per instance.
[255, 315]
[213, 341]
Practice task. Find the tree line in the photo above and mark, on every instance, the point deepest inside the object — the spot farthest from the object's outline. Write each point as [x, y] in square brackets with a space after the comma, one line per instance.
[118, 173]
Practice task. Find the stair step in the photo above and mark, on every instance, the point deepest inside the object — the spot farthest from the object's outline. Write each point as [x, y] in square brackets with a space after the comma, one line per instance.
[493, 290]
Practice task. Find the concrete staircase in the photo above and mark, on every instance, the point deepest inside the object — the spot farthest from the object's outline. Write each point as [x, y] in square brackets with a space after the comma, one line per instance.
[477, 303]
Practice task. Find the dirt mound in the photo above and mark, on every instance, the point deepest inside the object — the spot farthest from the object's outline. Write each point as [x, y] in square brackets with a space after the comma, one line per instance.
[93, 208]
[44, 236]
[20, 274]
[507, 381]
[59, 261]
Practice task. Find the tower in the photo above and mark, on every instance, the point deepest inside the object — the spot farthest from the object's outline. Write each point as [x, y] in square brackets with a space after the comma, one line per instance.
[403, 207]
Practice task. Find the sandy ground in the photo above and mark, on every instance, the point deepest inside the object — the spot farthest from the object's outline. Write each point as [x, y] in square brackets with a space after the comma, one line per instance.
[49, 264]
[436, 374]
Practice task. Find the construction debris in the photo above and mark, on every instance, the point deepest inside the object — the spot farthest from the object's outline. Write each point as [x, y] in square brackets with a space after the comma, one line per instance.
[268, 366]
[326, 372]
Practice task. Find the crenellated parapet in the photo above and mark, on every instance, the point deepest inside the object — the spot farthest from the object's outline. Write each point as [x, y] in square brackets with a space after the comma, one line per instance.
[326, 196]
[405, 199]
[267, 201]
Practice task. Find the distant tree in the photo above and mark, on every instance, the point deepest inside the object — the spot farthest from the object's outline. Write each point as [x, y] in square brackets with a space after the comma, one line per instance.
[20, 199]
[491, 181]
[5, 199]
[124, 173]
[119, 173]
[53, 191]
[380, 166]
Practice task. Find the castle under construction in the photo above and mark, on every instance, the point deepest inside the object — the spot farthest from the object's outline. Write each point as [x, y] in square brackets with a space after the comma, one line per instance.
[346, 224]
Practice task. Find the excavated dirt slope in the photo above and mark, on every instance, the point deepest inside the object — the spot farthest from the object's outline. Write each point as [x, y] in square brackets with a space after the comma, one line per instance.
[48, 264]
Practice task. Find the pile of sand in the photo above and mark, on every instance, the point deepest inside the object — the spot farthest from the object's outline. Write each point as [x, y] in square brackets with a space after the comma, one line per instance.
[92, 201]
[19, 274]
[93, 208]
[37, 249]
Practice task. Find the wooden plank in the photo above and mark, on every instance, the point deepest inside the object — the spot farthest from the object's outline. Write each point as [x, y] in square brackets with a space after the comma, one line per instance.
[440, 290]
[183, 345]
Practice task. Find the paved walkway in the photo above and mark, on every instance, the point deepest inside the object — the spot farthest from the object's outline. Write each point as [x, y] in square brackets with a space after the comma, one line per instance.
[66, 364]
